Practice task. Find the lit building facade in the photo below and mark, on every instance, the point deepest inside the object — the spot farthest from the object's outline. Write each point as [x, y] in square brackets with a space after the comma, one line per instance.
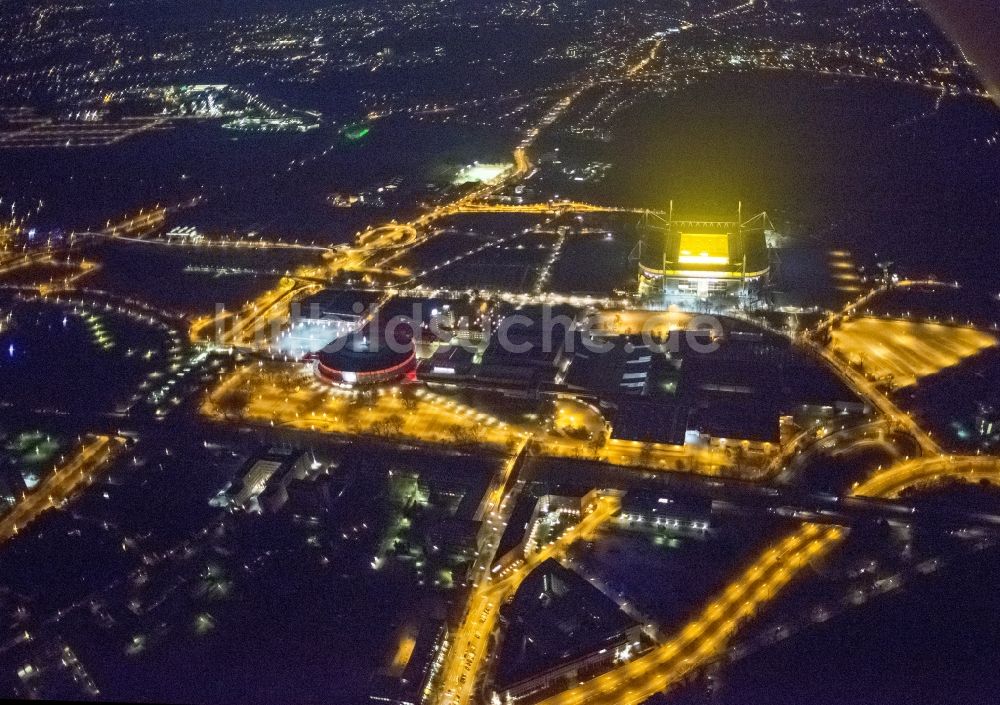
[703, 258]
[358, 360]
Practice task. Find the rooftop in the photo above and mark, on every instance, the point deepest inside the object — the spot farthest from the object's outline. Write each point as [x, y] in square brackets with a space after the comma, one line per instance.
[555, 617]
[649, 421]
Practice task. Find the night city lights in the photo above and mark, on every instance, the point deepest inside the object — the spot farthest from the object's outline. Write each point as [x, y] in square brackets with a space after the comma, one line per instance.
[357, 352]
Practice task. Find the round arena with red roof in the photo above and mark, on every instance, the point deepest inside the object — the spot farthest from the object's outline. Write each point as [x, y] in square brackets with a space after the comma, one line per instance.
[357, 359]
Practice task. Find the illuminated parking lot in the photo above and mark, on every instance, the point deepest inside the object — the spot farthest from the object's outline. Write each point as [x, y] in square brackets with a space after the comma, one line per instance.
[291, 397]
[906, 351]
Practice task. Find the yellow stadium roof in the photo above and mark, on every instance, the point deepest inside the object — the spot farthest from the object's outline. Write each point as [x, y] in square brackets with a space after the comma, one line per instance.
[704, 248]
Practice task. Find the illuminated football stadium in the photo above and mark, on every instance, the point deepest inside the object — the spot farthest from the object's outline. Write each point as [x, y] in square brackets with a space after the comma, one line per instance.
[358, 360]
[703, 258]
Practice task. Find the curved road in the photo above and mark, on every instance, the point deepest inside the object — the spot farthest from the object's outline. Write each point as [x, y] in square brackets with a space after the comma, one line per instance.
[705, 638]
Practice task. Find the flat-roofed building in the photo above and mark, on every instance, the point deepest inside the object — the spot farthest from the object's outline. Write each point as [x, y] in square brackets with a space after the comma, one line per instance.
[559, 629]
[644, 420]
[275, 466]
[413, 662]
[666, 509]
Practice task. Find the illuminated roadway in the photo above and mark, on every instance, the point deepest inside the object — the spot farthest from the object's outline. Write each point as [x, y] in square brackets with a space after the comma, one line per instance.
[868, 390]
[468, 648]
[373, 250]
[300, 401]
[694, 459]
[550, 208]
[273, 305]
[641, 65]
[387, 240]
[79, 470]
[209, 243]
[16, 262]
[859, 383]
[859, 303]
[251, 325]
[705, 638]
[822, 439]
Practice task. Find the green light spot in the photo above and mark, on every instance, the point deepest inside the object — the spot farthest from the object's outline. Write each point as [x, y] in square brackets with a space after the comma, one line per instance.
[356, 131]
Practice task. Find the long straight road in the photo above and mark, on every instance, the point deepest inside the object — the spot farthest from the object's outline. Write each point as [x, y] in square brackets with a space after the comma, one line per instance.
[79, 470]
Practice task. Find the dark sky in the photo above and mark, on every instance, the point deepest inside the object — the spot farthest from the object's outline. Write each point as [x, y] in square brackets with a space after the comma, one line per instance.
[975, 26]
